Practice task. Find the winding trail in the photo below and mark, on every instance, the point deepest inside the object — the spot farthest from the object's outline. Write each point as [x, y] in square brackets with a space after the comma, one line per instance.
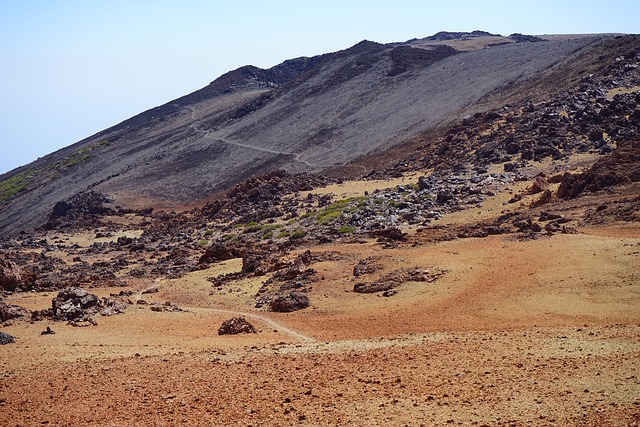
[205, 135]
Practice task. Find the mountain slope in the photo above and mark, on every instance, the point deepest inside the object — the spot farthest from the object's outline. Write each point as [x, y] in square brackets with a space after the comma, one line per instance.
[307, 114]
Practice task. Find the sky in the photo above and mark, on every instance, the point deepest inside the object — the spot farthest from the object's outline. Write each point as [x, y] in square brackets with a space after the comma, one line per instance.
[69, 69]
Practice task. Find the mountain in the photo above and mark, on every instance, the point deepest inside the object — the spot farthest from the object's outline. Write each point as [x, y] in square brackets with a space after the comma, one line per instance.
[343, 113]
[451, 238]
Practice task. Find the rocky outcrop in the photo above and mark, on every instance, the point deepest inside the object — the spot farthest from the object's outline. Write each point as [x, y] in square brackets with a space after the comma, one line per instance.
[394, 279]
[620, 167]
[78, 307]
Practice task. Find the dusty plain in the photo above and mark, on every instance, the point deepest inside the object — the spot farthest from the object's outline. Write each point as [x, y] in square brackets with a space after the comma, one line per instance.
[515, 332]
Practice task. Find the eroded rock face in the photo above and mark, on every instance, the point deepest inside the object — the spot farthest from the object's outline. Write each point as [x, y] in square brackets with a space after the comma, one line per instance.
[289, 302]
[236, 325]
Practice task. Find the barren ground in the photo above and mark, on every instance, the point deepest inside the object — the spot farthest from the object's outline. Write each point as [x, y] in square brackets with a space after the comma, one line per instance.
[534, 332]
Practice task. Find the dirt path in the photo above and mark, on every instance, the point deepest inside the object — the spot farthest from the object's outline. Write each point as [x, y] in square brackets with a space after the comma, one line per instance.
[205, 135]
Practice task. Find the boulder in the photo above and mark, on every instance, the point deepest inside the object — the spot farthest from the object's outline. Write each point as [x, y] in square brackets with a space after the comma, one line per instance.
[74, 303]
[370, 288]
[8, 312]
[218, 252]
[390, 234]
[6, 338]
[11, 276]
[289, 302]
[236, 325]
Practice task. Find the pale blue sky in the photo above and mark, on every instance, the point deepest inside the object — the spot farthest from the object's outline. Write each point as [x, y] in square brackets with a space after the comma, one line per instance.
[69, 69]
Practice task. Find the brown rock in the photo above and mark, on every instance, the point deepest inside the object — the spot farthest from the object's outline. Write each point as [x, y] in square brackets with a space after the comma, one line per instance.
[218, 252]
[8, 312]
[236, 325]
[289, 302]
[12, 276]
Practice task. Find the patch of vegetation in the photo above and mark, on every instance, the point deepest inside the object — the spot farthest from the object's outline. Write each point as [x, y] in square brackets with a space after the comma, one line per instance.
[267, 235]
[299, 234]
[326, 216]
[208, 232]
[229, 236]
[203, 242]
[16, 184]
[283, 234]
[78, 157]
[346, 229]
[253, 227]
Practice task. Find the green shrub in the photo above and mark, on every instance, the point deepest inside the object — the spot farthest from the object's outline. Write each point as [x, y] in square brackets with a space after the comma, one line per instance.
[203, 242]
[283, 234]
[299, 234]
[346, 229]
[267, 235]
[326, 216]
[208, 232]
[14, 185]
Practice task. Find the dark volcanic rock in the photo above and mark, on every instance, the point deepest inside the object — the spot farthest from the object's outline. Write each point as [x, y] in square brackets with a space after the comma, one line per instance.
[289, 302]
[83, 210]
[48, 331]
[74, 304]
[236, 325]
[6, 338]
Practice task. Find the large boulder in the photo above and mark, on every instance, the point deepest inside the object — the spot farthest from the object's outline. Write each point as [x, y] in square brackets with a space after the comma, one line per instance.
[8, 312]
[218, 252]
[74, 303]
[12, 277]
[289, 302]
[6, 338]
[236, 325]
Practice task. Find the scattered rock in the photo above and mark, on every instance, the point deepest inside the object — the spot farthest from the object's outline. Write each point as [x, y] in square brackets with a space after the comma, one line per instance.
[365, 266]
[390, 234]
[621, 166]
[236, 325]
[48, 331]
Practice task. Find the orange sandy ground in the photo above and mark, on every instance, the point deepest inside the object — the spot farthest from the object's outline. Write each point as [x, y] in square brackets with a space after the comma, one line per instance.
[540, 332]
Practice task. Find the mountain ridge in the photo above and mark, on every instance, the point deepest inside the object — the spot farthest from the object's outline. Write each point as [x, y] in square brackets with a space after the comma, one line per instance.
[305, 114]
